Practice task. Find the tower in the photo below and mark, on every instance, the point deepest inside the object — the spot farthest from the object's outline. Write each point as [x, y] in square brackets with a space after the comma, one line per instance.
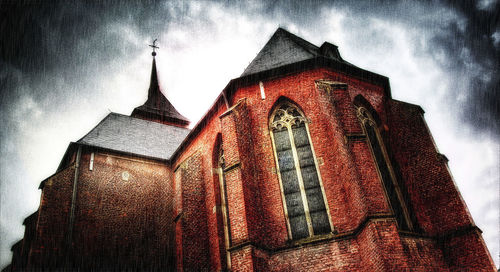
[157, 108]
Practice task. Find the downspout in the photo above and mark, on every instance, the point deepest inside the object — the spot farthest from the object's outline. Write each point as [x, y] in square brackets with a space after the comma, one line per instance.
[73, 201]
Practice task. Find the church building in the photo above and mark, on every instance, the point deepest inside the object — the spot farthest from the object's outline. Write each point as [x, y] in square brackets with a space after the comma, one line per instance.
[303, 163]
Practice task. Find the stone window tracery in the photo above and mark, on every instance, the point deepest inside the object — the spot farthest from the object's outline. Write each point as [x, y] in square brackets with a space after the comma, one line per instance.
[304, 202]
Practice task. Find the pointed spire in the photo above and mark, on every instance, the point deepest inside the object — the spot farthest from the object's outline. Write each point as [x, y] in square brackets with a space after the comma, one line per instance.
[154, 87]
[157, 108]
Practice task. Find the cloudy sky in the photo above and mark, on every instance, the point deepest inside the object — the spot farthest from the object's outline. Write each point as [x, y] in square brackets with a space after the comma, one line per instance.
[65, 66]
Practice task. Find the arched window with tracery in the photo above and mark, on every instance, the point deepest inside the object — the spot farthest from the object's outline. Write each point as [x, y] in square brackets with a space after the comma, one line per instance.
[385, 170]
[304, 202]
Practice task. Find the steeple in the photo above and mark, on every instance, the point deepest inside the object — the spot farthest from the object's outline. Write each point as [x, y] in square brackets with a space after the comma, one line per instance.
[157, 108]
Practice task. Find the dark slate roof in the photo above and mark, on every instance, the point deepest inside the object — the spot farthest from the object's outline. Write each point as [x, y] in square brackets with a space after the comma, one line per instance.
[17, 245]
[157, 104]
[286, 48]
[127, 134]
[32, 217]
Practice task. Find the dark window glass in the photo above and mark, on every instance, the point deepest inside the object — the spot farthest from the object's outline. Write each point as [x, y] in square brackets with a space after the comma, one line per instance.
[299, 227]
[289, 118]
[320, 222]
[310, 177]
[315, 200]
[291, 188]
[386, 177]
[290, 182]
[314, 194]
[282, 140]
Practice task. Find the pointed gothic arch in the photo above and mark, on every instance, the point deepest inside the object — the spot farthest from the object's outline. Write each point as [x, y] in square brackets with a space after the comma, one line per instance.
[304, 200]
[370, 123]
[360, 101]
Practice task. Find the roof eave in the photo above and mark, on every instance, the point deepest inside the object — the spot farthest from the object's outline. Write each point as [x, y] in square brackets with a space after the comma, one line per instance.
[199, 125]
[74, 145]
[124, 152]
[182, 122]
[316, 62]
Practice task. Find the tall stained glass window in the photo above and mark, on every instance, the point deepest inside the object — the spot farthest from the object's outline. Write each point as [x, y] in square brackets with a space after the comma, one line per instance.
[303, 196]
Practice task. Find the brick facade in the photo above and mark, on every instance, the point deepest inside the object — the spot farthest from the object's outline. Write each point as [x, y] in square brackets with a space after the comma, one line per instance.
[131, 212]
[366, 236]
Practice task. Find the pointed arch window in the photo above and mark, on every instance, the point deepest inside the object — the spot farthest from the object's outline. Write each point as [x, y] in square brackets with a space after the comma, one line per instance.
[385, 170]
[222, 193]
[306, 210]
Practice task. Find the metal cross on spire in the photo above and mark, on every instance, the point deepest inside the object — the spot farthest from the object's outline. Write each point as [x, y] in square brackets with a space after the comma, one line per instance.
[154, 47]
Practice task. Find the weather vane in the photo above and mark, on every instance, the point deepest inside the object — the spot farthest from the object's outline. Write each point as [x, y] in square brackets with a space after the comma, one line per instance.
[154, 47]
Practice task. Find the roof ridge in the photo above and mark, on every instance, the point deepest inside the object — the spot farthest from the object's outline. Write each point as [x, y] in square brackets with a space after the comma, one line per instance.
[300, 41]
[282, 48]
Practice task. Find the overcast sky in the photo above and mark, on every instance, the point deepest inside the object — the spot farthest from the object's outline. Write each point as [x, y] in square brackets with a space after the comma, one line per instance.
[65, 66]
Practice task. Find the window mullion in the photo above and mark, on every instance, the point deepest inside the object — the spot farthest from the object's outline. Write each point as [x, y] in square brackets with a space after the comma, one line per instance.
[320, 181]
[224, 215]
[301, 182]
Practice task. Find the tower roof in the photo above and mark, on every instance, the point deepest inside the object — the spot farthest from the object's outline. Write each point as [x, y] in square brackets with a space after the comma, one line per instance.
[157, 108]
[286, 48]
[136, 136]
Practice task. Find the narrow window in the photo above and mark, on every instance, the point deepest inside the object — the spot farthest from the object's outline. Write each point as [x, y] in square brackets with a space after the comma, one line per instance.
[385, 170]
[224, 208]
[303, 197]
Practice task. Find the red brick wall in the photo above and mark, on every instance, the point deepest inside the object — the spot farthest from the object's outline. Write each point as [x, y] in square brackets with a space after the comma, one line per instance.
[49, 245]
[341, 256]
[119, 222]
[194, 251]
[440, 207]
[137, 221]
[346, 193]
[352, 185]
[423, 253]
[466, 251]
[242, 181]
[201, 148]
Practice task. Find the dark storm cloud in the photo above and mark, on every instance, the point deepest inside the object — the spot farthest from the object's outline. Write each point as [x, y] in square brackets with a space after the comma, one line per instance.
[41, 37]
[50, 51]
[70, 41]
[477, 38]
[468, 47]
[467, 43]
[465, 46]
